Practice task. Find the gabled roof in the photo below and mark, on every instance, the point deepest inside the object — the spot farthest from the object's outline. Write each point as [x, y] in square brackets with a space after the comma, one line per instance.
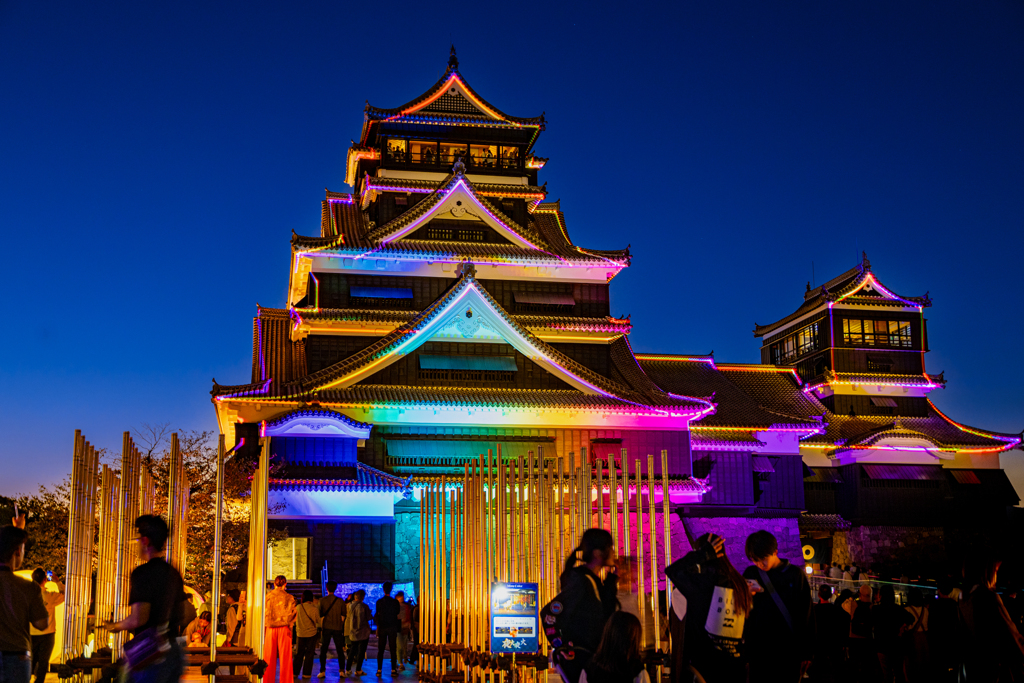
[544, 239]
[451, 100]
[856, 286]
[467, 307]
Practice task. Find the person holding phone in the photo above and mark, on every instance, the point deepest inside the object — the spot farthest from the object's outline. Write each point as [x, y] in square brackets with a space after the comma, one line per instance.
[780, 630]
[43, 638]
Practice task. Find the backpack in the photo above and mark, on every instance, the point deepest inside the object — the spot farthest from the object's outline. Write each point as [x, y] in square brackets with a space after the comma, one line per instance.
[551, 619]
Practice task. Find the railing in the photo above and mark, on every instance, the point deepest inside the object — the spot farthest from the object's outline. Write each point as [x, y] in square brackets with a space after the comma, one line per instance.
[447, 160]
[839, 585]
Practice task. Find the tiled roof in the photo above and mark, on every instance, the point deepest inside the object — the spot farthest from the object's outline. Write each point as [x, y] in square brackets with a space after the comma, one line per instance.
[395, 395]
[845, 287]
[736, 408]
[416, 106]
[367, 479]
[848, 432]
[345, 231]
[553, 322]
[723, 440]
[640, 395]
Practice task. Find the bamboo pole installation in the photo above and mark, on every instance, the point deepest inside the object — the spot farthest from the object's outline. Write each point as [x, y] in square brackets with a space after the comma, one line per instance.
[78, 572]
[177, 507]
[256, 591]
[516, 519]
[106, 556]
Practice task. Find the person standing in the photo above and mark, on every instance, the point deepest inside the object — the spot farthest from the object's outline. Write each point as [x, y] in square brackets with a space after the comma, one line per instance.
[715, 605]
[21, 606]
[234, 620]
[307, 624]
[42, 639]
[357, 631]
[155, 616]
[890, 622]
[332, 609]
[386, 618]
[917, 636]
[780, 631]
[587, 601]
[404, 627]
[833, 631]
[944, 634]
[280, 615]
[994, 647]
[863, 659]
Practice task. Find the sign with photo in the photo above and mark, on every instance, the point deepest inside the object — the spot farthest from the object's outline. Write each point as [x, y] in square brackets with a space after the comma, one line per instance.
[514, 617]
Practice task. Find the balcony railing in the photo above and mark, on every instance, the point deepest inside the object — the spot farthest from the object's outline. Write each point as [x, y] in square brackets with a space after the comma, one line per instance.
[447, 160]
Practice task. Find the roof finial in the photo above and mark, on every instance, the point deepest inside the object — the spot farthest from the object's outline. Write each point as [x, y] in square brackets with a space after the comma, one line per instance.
[865, 264]
[453, 61]
[459, 167]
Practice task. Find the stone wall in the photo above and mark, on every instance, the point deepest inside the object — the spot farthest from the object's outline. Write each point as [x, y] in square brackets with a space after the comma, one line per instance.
[407, 545]
[906, 545]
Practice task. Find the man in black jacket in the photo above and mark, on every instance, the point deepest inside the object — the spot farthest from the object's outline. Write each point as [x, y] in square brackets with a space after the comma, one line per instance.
[388, 623]
[780, 630]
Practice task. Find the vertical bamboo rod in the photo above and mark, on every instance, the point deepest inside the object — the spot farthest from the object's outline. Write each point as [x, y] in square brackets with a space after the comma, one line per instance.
[560, 506]
[667, 532]
[627, 548]
[217, 540]
[641, 580]
[613, 500]
[652, 522]
[586, 509]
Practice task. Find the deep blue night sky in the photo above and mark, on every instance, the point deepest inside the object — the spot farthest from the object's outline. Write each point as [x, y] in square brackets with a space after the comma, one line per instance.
[154, 158]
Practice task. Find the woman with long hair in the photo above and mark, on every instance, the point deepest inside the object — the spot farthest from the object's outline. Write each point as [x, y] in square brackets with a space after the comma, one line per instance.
[588, 600]
[618, 658]
[711, 618]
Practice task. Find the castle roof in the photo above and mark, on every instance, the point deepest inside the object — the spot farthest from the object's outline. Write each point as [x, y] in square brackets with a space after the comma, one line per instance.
[543, 240]
[859, 286]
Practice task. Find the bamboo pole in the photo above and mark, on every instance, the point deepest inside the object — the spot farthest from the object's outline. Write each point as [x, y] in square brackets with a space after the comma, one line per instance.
[641, 579]
[256, 591]
[217, 540]
[655, 612]
[667, 532]
[613, 501]
[560, 508]
[625, 513]
[106, 560]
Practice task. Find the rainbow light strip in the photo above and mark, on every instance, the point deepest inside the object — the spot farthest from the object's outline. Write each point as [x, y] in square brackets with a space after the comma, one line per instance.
[928, 384]
[347, 199]
[535, 163]
[870, 279]
[369, 184]
[354, 157]
[1011, 441]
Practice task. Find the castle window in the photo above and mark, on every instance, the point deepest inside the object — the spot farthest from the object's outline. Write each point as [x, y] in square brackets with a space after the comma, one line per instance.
[398, 151]
[508, 157]
[423, 152]
[787, 350]
[483, 156]
[401, 200]
[894, 333]
[489, 369]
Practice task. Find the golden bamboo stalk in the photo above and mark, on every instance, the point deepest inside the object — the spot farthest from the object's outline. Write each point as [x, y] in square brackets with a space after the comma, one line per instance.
[655, 612]
[256, 592]
[641, 581]
[106, 562]
[625, 511]
[217, 540]
[667, 532]
[560, 508]
[586, 481]
[613, 501]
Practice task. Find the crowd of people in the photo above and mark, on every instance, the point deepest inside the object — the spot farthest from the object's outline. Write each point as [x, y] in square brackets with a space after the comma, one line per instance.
[725, 626]
[763, 625]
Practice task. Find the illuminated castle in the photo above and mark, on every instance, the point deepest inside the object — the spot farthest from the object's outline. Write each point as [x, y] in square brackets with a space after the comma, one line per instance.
[443, 310]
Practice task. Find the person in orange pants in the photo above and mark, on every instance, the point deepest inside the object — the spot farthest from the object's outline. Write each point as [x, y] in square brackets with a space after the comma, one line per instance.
[280, 615]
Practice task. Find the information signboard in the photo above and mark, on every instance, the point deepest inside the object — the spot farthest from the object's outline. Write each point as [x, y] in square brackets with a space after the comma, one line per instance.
[514, 617]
